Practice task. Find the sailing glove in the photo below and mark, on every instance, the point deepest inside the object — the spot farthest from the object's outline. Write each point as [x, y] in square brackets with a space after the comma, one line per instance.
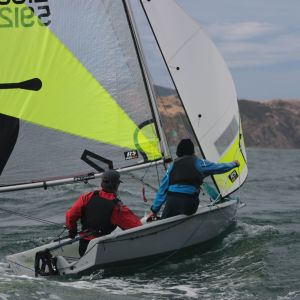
[72, 233]
[152, 217]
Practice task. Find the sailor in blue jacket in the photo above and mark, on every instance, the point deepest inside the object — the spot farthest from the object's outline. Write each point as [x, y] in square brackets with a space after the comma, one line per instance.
[180, 185]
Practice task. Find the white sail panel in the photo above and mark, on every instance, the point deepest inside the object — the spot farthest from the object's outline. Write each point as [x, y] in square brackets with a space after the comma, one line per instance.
[204, 85]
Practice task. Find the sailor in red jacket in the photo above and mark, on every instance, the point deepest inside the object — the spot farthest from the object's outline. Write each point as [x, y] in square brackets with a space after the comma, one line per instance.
[100, 212]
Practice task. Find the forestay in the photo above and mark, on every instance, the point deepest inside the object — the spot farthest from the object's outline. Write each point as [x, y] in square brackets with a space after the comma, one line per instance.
[204, 85]
[89, 99]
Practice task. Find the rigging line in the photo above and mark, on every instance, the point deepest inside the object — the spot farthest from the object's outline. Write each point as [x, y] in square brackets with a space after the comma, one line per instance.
[29, 217]
[142, 178]
[58, 237]
[211, 200]
[146, 170]
[143, 182]
[157, 174]
[240, 192]
[20, 265]
[240, 139]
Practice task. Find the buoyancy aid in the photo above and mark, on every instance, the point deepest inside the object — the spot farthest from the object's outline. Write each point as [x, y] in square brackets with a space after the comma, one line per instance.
[96, 217]
[184, 172]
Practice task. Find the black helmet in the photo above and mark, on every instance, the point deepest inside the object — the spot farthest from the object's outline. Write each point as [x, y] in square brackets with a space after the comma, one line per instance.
[185, 147]
[110, 180]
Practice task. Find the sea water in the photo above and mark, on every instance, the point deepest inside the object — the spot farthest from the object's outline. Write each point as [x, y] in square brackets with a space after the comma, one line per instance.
[258, 259]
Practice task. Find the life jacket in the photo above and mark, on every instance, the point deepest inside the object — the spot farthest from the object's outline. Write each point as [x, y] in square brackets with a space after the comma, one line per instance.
[96, 216]
[184, 172]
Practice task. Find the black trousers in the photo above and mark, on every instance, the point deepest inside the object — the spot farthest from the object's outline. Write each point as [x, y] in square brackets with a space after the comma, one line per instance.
[179, 203]
[82, 246]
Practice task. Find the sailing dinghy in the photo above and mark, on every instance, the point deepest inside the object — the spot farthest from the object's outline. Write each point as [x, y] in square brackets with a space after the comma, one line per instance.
[77, 98]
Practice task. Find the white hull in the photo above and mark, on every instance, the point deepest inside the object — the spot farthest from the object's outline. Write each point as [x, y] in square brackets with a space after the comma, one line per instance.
[150, 239]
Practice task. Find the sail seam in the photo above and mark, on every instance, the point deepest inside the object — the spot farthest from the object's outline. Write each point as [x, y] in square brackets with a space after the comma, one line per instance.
[184, 43]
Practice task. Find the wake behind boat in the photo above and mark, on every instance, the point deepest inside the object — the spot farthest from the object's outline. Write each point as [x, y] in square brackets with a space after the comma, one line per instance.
[92, 107]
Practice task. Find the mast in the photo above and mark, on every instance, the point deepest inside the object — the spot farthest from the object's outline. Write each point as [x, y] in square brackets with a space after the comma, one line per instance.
[146, 74]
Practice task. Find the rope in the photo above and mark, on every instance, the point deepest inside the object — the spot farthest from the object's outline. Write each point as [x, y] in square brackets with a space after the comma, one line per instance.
[142, 180]
[59, 238]
[157, 174]
[29, 217]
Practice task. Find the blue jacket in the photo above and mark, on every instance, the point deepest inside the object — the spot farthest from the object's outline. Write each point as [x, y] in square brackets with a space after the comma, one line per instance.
[204, 167]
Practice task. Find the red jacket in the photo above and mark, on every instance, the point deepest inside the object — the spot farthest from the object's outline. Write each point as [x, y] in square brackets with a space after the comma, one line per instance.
[122, 216]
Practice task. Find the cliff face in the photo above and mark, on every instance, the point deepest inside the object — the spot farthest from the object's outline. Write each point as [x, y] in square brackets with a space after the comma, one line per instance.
[174, 119]
[269, 124]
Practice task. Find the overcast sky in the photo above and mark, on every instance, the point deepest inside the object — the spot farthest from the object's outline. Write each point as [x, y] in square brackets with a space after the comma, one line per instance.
[259, 40]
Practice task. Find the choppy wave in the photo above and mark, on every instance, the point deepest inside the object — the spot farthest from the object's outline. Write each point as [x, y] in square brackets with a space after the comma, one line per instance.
[290, 296]
[259, 259]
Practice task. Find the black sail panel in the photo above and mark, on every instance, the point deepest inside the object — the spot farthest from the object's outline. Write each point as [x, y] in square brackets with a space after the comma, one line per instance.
[9, 130]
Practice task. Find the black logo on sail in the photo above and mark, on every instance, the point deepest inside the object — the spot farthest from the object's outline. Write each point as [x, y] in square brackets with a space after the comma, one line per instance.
[132, 154]
[233, 176]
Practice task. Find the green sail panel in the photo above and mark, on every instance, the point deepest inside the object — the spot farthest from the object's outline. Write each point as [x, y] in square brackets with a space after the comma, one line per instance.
[67, 88]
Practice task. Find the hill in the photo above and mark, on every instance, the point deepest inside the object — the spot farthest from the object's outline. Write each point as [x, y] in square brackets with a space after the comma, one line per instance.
[271, 124]
[268, 124]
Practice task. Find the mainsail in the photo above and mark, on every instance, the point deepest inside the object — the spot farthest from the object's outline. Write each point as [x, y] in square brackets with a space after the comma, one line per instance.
[204, 85]
[75, 95]
[91, 104]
